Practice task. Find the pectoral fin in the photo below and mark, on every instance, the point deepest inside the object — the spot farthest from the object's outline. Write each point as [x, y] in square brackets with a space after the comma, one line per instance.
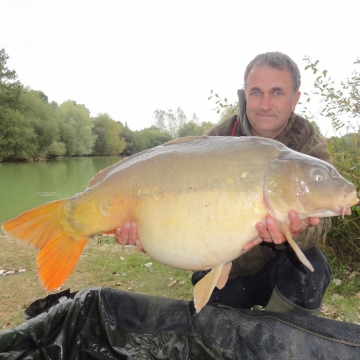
[204, 288]
[295, 247]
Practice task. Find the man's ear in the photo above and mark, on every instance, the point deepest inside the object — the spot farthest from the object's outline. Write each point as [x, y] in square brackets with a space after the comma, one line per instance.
[296, 98]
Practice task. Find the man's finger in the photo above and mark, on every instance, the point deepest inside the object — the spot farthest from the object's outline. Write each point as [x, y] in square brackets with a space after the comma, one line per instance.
[132, 233]
[122, 234]
[296, 224]
[313, 221]
[139, 246]
[253, 243]
[275, 235]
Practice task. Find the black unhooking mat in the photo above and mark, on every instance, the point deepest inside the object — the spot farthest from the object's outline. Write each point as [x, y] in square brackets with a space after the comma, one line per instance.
[107, 324]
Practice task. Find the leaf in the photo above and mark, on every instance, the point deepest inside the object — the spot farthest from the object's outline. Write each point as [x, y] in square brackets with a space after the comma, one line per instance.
[174, 283]
[337, 297]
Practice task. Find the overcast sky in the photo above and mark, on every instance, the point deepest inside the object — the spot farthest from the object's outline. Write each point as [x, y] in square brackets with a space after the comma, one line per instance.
[128, 58]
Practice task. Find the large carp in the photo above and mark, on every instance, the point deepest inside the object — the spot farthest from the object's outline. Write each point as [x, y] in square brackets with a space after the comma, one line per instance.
[195, 200]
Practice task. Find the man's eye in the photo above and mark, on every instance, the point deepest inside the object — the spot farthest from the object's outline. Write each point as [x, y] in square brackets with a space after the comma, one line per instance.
[277, 92]
[256, 93]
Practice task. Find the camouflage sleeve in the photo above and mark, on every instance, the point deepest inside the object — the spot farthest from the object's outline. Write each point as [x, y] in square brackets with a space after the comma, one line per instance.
[317, 147]
[311, 236]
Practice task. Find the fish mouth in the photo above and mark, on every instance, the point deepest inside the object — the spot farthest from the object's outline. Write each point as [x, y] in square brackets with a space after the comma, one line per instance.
[350, 201]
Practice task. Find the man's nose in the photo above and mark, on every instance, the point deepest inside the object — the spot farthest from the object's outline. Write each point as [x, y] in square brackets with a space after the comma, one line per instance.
[266, 103]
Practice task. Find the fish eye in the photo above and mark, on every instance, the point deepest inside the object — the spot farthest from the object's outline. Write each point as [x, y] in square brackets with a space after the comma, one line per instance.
[319, 177]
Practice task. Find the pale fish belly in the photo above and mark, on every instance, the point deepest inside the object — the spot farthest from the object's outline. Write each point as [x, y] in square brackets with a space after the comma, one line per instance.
[198, 230]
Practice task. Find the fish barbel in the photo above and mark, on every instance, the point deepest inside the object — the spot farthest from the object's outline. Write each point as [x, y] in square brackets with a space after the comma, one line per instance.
[195, 200]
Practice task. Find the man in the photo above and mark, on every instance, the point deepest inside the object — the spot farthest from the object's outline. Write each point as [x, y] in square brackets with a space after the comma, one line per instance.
[269, 274]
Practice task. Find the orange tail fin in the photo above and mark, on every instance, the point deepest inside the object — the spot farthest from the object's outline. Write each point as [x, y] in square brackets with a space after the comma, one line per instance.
[59, 251]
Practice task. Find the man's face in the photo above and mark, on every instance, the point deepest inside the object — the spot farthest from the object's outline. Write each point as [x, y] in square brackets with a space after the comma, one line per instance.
[269, 100]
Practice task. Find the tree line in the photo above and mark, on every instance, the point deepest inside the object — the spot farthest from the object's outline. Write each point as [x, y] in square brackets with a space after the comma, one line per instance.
[31, 127]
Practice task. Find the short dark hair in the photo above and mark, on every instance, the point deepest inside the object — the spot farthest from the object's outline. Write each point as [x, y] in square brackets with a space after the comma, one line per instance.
[279, 61]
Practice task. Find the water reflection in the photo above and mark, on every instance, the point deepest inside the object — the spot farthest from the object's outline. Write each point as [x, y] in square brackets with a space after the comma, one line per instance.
[26, 185]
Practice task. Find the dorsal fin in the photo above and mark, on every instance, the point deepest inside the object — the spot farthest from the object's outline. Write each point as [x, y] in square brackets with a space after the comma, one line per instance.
[101, 175]
[186, 139]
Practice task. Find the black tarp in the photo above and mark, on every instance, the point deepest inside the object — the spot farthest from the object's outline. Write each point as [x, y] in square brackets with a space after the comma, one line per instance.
[107, 324]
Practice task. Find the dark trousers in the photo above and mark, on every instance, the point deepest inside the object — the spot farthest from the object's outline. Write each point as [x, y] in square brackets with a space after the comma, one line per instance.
[285, 271]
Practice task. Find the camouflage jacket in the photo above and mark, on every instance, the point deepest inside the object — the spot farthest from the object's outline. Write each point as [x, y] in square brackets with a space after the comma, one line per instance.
[300, 136]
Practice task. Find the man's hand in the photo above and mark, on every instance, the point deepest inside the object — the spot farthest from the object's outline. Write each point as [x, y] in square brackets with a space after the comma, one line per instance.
[127, 235]
[271, 234]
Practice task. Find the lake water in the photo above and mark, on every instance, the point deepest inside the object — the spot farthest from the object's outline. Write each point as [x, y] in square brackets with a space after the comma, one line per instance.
[26, 185]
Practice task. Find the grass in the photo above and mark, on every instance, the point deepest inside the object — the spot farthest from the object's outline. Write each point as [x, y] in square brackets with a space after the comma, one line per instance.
[342, 298]
[106, 264]
[102, 263]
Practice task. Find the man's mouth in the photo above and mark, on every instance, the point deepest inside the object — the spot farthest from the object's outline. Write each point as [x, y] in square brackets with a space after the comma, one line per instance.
[265, 115]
